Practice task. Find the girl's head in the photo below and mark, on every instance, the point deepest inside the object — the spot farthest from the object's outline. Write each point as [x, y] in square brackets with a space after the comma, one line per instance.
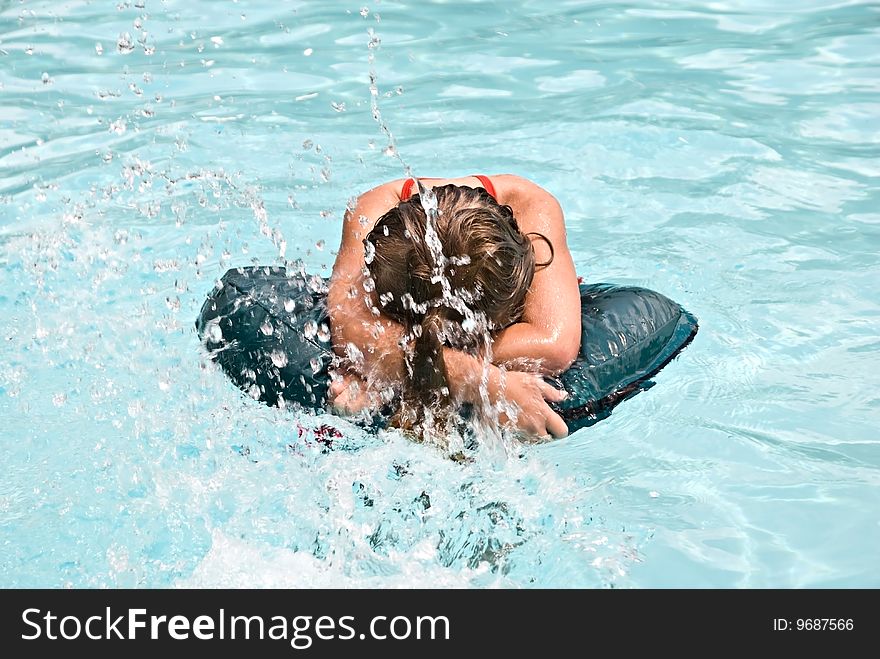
[478, 284]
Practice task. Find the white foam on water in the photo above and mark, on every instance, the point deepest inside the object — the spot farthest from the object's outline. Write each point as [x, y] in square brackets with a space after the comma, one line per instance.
[233, 563]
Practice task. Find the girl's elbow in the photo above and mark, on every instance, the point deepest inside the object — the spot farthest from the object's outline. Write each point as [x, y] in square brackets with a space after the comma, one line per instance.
[561, 355]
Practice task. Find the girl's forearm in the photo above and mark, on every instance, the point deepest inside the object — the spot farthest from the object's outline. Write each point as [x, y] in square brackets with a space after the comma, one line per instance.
[370, 348]
[468, 377]
[524, 344]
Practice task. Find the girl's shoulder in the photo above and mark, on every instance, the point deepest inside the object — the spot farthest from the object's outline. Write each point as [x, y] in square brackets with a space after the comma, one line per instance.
[520, 188]
[520, 193]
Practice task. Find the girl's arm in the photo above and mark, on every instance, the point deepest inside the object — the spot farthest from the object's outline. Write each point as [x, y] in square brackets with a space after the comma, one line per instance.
[359, 333]
[550, 331]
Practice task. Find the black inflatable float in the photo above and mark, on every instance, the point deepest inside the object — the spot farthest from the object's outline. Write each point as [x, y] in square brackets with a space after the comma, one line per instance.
[269, 332]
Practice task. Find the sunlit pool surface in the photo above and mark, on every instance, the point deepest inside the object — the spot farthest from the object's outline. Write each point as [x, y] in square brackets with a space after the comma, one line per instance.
[725, 154]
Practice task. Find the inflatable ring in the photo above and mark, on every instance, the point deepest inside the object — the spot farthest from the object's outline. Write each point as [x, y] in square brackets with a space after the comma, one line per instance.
[270, 333]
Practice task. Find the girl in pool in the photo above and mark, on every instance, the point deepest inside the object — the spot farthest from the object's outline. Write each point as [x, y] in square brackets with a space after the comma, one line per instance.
[412, 324]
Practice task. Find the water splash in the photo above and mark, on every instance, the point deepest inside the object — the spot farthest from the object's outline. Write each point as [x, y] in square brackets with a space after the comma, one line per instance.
[103, 273]
[483, 423]
[391, 148]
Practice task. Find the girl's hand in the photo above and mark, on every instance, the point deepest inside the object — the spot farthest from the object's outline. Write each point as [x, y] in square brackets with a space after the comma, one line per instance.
[533, 416]
[349, 394]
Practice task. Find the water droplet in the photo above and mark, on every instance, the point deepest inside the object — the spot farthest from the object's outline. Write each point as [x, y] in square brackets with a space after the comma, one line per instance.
[369, 252]
[339, 107]
[99, 48]
[266, 328]
[29, 50]
[59, 399]
[320, 245]
[118, 126]
[369, 284]
[215, 334]
[310, 329]
[124, 44]
[354, 354]
[324, 333]
[166, 265]
[316, 364]
[308, 144]
[289, 305]
[365, 11]
[278, 358]
[45, 78]
[217, 41]
[389, 150]
[308, 51]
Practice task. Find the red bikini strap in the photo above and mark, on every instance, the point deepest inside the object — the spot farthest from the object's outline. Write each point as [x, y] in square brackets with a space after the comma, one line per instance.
[406, 189]
[487, 183]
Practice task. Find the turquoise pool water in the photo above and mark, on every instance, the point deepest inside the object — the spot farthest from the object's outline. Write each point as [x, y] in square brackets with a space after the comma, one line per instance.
[725, 154]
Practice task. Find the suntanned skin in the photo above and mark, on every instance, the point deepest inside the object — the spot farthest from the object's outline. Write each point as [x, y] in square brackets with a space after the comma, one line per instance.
[548, 337]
